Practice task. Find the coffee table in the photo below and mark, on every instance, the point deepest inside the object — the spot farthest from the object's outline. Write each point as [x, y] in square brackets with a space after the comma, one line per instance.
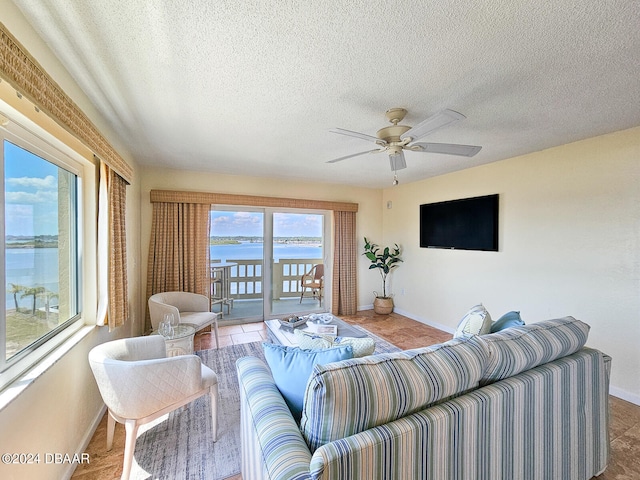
[282, 335]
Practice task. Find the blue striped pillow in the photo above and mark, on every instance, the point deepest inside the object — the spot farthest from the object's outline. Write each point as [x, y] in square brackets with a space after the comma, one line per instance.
[355, 395]
[521, 348]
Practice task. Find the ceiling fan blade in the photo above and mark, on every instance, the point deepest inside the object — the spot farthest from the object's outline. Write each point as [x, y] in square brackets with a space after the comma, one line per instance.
[433, 123]
[446, 148]
[397, 161]
[353, 155]
[363, 136]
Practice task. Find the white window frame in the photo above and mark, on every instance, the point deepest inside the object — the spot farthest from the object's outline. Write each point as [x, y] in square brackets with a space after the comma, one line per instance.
[69, 160]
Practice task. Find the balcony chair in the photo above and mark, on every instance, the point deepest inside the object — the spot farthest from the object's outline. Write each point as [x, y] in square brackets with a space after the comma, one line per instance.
[220, 290]
[216, 288]
[313, 280]
[187, 307]
[138, 383]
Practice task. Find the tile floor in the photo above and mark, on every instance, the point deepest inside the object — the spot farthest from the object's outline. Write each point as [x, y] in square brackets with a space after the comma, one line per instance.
[231, 335]
[405, 333]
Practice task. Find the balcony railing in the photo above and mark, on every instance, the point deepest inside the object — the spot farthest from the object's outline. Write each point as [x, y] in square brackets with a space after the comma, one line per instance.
[245, 278]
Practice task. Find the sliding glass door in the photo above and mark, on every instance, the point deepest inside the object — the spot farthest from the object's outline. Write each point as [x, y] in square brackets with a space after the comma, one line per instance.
[297, 267]
[267, 263]
[237, 259]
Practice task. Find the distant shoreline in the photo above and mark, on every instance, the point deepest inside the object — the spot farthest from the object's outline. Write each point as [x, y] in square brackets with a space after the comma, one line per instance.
[38, 241]
[239, 240]
[32, 245]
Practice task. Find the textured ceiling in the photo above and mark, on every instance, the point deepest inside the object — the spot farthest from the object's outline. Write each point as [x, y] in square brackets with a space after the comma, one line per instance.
[252, 88]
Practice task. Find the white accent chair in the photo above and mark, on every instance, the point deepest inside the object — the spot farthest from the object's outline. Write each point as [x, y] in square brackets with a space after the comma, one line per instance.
[187, 307]
[138, 383]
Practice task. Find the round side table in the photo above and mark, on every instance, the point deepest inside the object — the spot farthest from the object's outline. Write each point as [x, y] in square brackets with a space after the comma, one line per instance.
[181, 342]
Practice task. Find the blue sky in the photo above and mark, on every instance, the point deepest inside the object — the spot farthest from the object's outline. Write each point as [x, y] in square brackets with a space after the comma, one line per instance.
[251, 224]
[31, 193]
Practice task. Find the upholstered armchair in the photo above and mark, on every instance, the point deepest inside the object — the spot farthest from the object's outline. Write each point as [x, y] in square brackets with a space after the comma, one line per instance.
[313, 280]
[138, 383]
[187, 307]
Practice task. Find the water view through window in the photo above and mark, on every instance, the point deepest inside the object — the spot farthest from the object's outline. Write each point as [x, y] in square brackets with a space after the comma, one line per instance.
[40, 248]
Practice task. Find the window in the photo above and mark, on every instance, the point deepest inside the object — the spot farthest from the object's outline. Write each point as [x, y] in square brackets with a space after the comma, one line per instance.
[41, 250]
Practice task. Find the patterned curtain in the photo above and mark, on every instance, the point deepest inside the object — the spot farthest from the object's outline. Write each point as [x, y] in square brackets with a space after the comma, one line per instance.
[344, 287]
[113, 305]
[178, 250]
[118, 285]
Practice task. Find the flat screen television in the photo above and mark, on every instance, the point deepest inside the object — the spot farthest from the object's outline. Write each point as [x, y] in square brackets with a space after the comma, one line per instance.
[465, 224]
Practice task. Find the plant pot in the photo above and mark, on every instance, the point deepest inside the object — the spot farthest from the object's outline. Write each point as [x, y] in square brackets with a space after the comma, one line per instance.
[383, 305]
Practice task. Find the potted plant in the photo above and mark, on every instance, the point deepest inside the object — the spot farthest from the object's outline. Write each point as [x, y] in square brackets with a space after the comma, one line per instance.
[384, 260]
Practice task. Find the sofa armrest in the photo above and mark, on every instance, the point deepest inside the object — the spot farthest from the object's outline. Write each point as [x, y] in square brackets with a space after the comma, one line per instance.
[272, 445]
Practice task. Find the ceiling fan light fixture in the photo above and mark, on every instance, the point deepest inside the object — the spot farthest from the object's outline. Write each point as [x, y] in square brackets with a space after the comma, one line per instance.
[397, 160]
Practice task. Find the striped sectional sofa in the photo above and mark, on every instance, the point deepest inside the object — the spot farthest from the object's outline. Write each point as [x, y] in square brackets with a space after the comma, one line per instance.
[528, 402]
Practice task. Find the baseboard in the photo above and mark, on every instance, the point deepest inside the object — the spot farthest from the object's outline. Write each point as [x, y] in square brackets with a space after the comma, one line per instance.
[629, 397]
[85, 440]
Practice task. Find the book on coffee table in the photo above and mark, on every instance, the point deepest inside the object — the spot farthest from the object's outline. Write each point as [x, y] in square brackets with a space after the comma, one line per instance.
[326, 329]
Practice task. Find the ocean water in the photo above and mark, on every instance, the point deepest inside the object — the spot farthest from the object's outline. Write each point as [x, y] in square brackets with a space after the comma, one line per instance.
[30, 267]
[247, 251]
[23, 264]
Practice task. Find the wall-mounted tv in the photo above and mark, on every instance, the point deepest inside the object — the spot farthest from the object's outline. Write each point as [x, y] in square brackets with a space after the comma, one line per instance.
[465, 224]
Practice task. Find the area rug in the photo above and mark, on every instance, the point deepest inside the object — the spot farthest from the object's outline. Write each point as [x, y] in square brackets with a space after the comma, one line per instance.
[180, 445]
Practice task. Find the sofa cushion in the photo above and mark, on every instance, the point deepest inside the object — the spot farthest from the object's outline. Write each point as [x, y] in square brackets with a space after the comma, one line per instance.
[521, 348]
[476, 321]
[354, 395]
[509, 319]
[291, 368]
[314, 341]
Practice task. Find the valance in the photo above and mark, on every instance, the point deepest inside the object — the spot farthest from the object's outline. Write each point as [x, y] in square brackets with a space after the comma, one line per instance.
[211, 198]
[26, 75]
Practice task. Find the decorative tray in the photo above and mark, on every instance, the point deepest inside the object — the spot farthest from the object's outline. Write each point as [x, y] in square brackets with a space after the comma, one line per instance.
[293, 321]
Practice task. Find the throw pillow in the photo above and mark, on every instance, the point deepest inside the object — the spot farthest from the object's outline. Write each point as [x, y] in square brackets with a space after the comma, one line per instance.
[509, 319]
[291, 368]
[313, 341]
[476, 321]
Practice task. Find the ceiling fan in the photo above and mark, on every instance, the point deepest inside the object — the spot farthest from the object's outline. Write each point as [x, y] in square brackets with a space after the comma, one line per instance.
[397, 138]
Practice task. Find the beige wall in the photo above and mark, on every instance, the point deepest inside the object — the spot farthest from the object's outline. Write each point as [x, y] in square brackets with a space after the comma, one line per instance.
[569, 245]
[368, 218]
[58, 411]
